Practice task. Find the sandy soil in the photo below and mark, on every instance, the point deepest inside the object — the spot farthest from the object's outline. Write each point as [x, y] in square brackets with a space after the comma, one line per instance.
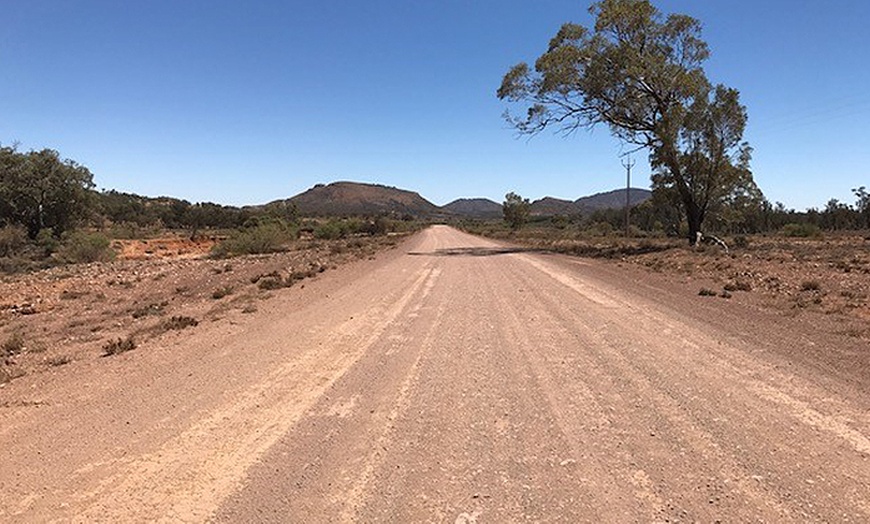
[69, 313]
[455, 380]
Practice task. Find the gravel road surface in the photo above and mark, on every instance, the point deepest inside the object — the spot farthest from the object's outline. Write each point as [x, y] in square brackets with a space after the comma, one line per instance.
[455, 380]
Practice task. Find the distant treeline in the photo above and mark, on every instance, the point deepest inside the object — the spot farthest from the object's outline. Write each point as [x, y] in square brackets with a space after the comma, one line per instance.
[50, 212]
[47, 196]
[42, 192]
[742, 218]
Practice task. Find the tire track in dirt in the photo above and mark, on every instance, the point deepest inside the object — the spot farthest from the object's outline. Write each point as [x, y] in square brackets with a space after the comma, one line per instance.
[723, 372]
[191, 474]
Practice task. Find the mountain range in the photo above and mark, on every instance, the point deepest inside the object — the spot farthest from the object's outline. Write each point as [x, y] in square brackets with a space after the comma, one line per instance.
[354, 198]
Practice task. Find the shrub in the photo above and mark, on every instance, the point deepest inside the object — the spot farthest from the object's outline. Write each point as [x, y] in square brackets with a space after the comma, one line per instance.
[377, 227]
[13, 345]
[739, 285]
[741, 242]
[221, 292]
[84, 247]
[47, 241]
[59, 361]
[331, 230]
[261, 238]
[149, 309]
[801, 230]
[270, 283]
[811, 285]
[704, 292]
[122, 345]
[12, 239]
[179, 323]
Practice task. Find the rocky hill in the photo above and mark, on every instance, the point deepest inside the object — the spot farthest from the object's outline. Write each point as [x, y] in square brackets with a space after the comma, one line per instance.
[474, 208]
[353, 198]
[553, 206]
[611, 200]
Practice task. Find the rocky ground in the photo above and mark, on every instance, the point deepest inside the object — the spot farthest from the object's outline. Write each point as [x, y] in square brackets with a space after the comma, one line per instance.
[53, 317]
[825, 279]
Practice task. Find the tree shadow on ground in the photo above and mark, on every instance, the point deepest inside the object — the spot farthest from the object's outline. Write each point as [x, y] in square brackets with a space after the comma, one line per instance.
[477, 251]
[581, 250]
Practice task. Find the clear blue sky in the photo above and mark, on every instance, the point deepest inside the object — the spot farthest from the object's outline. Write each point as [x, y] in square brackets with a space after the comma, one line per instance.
[246, 102]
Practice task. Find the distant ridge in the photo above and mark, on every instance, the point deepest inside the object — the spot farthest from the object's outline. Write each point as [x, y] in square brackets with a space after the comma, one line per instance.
[611, 200]
[474, 208]
[360, 199]
[354, 198]
[548, 206]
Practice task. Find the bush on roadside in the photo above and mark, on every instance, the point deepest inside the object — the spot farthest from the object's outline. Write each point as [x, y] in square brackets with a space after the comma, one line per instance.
[257, 238]
[83, 247]
[179, 323]
[12, 239]
[12, 346]
[331, 230]
[121, 345]
[801, 231]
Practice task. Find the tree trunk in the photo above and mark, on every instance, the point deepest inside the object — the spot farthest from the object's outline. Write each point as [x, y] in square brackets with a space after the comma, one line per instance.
[694, 217]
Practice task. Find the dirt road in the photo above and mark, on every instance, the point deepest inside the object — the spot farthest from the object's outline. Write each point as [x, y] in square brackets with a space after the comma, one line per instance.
[454, 380]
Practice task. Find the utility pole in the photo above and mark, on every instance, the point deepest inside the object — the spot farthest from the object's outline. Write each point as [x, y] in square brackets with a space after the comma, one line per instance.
[628, 165]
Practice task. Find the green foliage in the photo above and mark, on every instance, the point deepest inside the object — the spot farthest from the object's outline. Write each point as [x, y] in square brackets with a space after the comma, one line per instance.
[12, 240]
[640, 73]
[258, 237]
[38, 190]
[331, 230]
[516, 210]
[47, 241]
[335, 229]
[801, 230]
[83, 247]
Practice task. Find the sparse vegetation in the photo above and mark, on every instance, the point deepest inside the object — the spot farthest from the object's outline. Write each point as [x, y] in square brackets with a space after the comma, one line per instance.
[803, 230]
[12, 346]
[121, 345]
[84, 247]
[222, 292]
[271, 283]
[58, 361]
[259, 237]
[738, 285]
[810, 285]
[149, 309]
[69, 294]
[180, 322]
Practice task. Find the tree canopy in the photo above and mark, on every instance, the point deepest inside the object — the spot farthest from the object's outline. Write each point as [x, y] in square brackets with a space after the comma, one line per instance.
[38, 190]
[516, 210]
[640, 73]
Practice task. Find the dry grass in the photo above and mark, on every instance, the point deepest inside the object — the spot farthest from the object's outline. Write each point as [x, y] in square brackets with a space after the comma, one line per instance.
[121, 345]
[180, 322]
[13, 345]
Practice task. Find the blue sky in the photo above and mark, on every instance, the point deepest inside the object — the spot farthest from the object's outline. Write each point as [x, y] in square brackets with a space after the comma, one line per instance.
[247, 102]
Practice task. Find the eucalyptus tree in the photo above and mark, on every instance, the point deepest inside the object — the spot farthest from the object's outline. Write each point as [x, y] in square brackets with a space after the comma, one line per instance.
[516, 210]
[39, 190]
[640, 73]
